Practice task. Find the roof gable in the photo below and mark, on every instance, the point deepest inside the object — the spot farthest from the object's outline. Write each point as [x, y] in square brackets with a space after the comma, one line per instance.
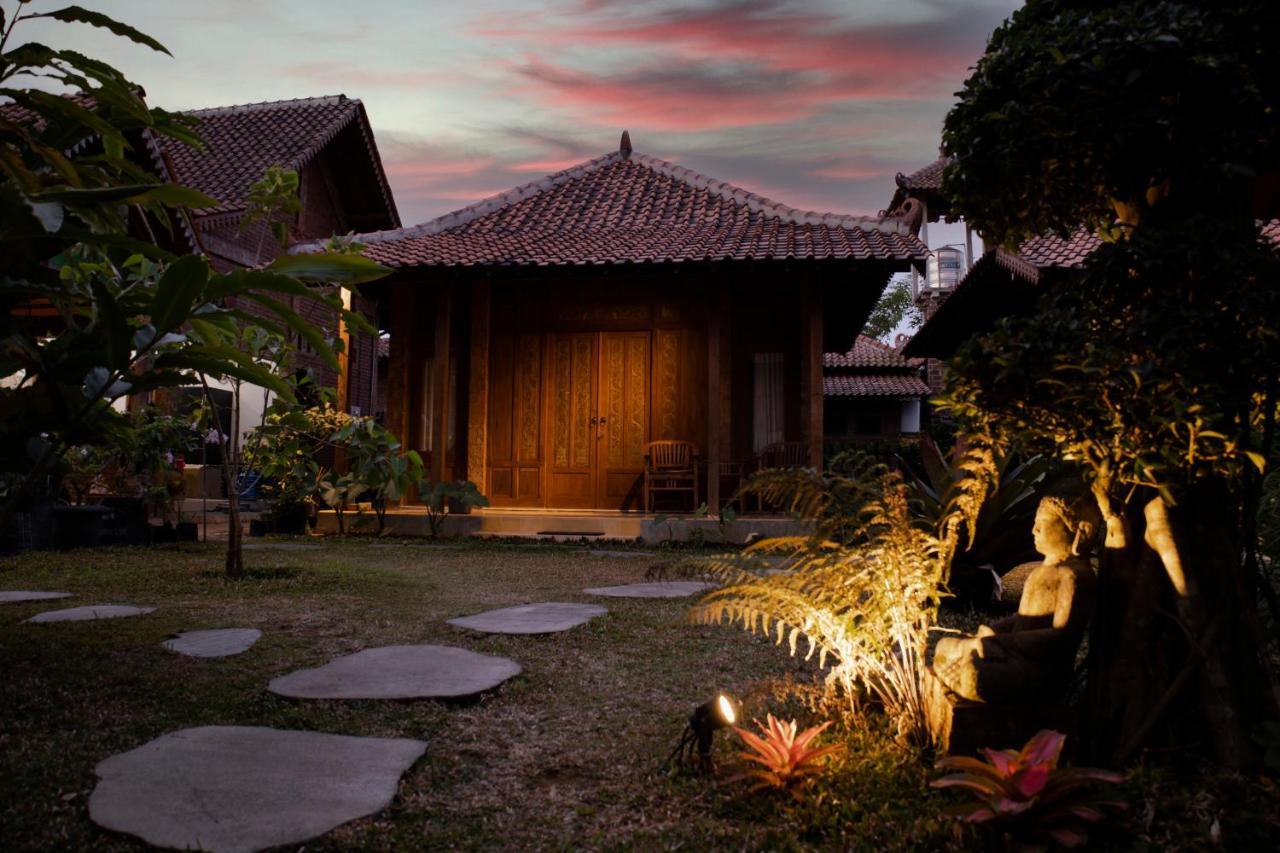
[241, 142]
[631, 208]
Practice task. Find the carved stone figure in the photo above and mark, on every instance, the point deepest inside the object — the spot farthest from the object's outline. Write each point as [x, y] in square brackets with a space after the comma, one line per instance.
[1028, 657]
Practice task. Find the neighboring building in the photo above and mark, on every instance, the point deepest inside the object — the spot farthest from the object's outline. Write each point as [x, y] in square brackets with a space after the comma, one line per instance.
[872, 392]
[540, 338]
[999, 284]
[342, 188]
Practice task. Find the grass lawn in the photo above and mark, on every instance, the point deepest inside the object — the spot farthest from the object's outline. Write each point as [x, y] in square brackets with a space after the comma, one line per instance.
[566, 755]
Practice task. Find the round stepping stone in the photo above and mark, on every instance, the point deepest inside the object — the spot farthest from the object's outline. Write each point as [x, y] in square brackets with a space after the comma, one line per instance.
[597, 552]
[399, 672]
[279, 546]
[658, 589]
[242, 788]
[90, 612]
[544, 618]
[12, 596]
[214, 642]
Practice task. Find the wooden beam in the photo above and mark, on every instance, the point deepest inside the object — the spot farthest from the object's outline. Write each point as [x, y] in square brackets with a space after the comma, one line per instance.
[719, 380]
[440, 384]
[811, 365]
[478, 411]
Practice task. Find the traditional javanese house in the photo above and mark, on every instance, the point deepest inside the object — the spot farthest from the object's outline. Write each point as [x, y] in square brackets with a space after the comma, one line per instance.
[542, 337]
[872, 393]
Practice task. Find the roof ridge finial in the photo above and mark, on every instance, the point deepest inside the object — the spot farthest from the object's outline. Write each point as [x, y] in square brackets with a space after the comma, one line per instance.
[624, 147]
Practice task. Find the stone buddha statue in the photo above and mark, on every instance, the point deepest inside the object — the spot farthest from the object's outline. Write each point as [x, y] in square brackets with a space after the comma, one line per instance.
[1029, 657]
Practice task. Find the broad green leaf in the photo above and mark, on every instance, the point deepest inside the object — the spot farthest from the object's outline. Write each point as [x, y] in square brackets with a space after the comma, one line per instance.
[203, 362]
[80, 15]
[293, 320]
[176, 195]
[331, 267]
[114, 328]
[178, 292]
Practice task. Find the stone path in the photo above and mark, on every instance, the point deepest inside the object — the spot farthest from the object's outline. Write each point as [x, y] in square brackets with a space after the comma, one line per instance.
[599, 552]
[13, 596]
[657, 589]
[544, 618]
[399, 672]
[213, 642]
[433, 546]
[234, 788]
[90, 612]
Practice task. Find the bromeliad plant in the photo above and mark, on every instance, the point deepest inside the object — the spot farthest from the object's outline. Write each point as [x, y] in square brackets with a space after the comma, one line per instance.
[1027, 795]
[787, 760]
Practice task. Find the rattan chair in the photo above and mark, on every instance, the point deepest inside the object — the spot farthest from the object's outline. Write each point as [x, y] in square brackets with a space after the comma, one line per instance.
[670, 466]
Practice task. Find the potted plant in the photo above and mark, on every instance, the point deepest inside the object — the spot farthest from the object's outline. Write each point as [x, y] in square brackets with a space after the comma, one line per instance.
[77, 523]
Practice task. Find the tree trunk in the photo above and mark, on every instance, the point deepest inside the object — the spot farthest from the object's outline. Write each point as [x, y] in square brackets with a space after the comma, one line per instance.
[1177, 659]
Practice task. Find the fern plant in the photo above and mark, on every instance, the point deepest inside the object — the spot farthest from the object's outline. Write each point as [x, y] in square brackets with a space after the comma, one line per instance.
[786, 759]
[863, 592]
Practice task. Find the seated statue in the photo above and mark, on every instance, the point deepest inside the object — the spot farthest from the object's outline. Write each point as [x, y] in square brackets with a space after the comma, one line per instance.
[1029, 656]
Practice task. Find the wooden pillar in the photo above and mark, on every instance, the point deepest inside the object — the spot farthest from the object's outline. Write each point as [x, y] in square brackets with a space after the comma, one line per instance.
[440, 384]
[344, 357]
[719, 381]
[811, 367]
[478, 392]
[398, 388]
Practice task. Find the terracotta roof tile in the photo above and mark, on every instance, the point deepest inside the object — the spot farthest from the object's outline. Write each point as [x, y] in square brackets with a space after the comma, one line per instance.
[866, 352]
[1271, 232]
[242, 141]
[860, 385]
[926, 178]
[623, 208]
[1051, 250]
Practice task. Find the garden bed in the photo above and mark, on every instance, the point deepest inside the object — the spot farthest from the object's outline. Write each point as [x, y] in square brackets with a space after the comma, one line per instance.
[565, 755]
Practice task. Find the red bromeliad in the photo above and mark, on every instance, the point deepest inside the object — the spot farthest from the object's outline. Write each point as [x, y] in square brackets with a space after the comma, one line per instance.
[1026, 792]
[786, 759]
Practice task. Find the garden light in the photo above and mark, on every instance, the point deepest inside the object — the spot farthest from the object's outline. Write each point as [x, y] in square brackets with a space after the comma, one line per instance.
[701, 729]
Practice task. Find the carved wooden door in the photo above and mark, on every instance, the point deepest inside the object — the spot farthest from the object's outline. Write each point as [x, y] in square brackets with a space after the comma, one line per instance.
[571, 405]
[623, 419]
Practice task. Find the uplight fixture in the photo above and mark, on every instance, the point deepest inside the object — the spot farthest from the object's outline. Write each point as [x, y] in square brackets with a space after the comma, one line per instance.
[701, 729]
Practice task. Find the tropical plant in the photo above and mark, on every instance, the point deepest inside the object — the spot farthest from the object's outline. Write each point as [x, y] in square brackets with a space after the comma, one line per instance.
[834, 499]
[1154, 367]
[88, 313]
[437, 498]
[377, 464]
[894, 307]
[1001, 536]
[865, 605]
[289, 450]
[1025, 794]
[787, 761]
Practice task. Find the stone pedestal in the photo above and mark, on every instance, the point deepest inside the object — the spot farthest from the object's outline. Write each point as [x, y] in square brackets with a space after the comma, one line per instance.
[962, 727]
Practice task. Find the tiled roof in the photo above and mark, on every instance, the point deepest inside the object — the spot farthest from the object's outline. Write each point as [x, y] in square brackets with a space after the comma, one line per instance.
[927, 178]
[631, 208]
[866, 352]
[1051, 250]
[862, 385]
[242, 141]
[1271, 232]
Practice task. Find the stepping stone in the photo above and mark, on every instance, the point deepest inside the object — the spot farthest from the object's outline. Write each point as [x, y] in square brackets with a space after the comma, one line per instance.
[90, 612]
[399, 672]
[12, 596]
[214, 642]
[244, 788]
[545, 618]
[658, 589]
[624, 554]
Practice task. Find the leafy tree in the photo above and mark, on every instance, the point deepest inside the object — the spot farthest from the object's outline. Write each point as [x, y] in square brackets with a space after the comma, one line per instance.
[894, 307]
[88, 313]
[1154, 125]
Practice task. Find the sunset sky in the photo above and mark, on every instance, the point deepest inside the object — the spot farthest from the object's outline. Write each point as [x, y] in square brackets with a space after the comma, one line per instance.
[815, 104]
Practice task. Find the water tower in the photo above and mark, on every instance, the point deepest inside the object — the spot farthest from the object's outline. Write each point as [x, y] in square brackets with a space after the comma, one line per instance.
[945, 268]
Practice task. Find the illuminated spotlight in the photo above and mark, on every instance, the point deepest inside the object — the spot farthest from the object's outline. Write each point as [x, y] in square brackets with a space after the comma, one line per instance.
[701, 729]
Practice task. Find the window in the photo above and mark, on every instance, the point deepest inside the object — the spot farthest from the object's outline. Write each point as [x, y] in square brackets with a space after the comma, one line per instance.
[767, 410]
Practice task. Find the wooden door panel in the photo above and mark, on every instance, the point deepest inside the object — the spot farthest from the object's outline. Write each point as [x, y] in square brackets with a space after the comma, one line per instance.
[571, 412]
[624, 415]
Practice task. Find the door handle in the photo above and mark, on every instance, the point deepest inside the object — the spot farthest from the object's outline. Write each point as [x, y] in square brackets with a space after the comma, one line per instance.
[594, 420]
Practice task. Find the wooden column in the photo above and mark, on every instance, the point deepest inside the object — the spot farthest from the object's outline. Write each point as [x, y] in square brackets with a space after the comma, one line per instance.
[398, 389]
[478, 393]
[440, 383]
[811, 367]
[719, 381]
[344, 357]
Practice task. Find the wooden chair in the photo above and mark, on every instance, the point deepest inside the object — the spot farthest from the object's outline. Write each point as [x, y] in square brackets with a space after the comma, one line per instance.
[781, 454]
[670, 466]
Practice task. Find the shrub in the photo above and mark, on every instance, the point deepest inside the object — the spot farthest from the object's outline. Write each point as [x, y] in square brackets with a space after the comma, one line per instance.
[1027, 795]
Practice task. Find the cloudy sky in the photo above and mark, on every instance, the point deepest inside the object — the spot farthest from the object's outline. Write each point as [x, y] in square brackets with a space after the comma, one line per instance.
[814, 103]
